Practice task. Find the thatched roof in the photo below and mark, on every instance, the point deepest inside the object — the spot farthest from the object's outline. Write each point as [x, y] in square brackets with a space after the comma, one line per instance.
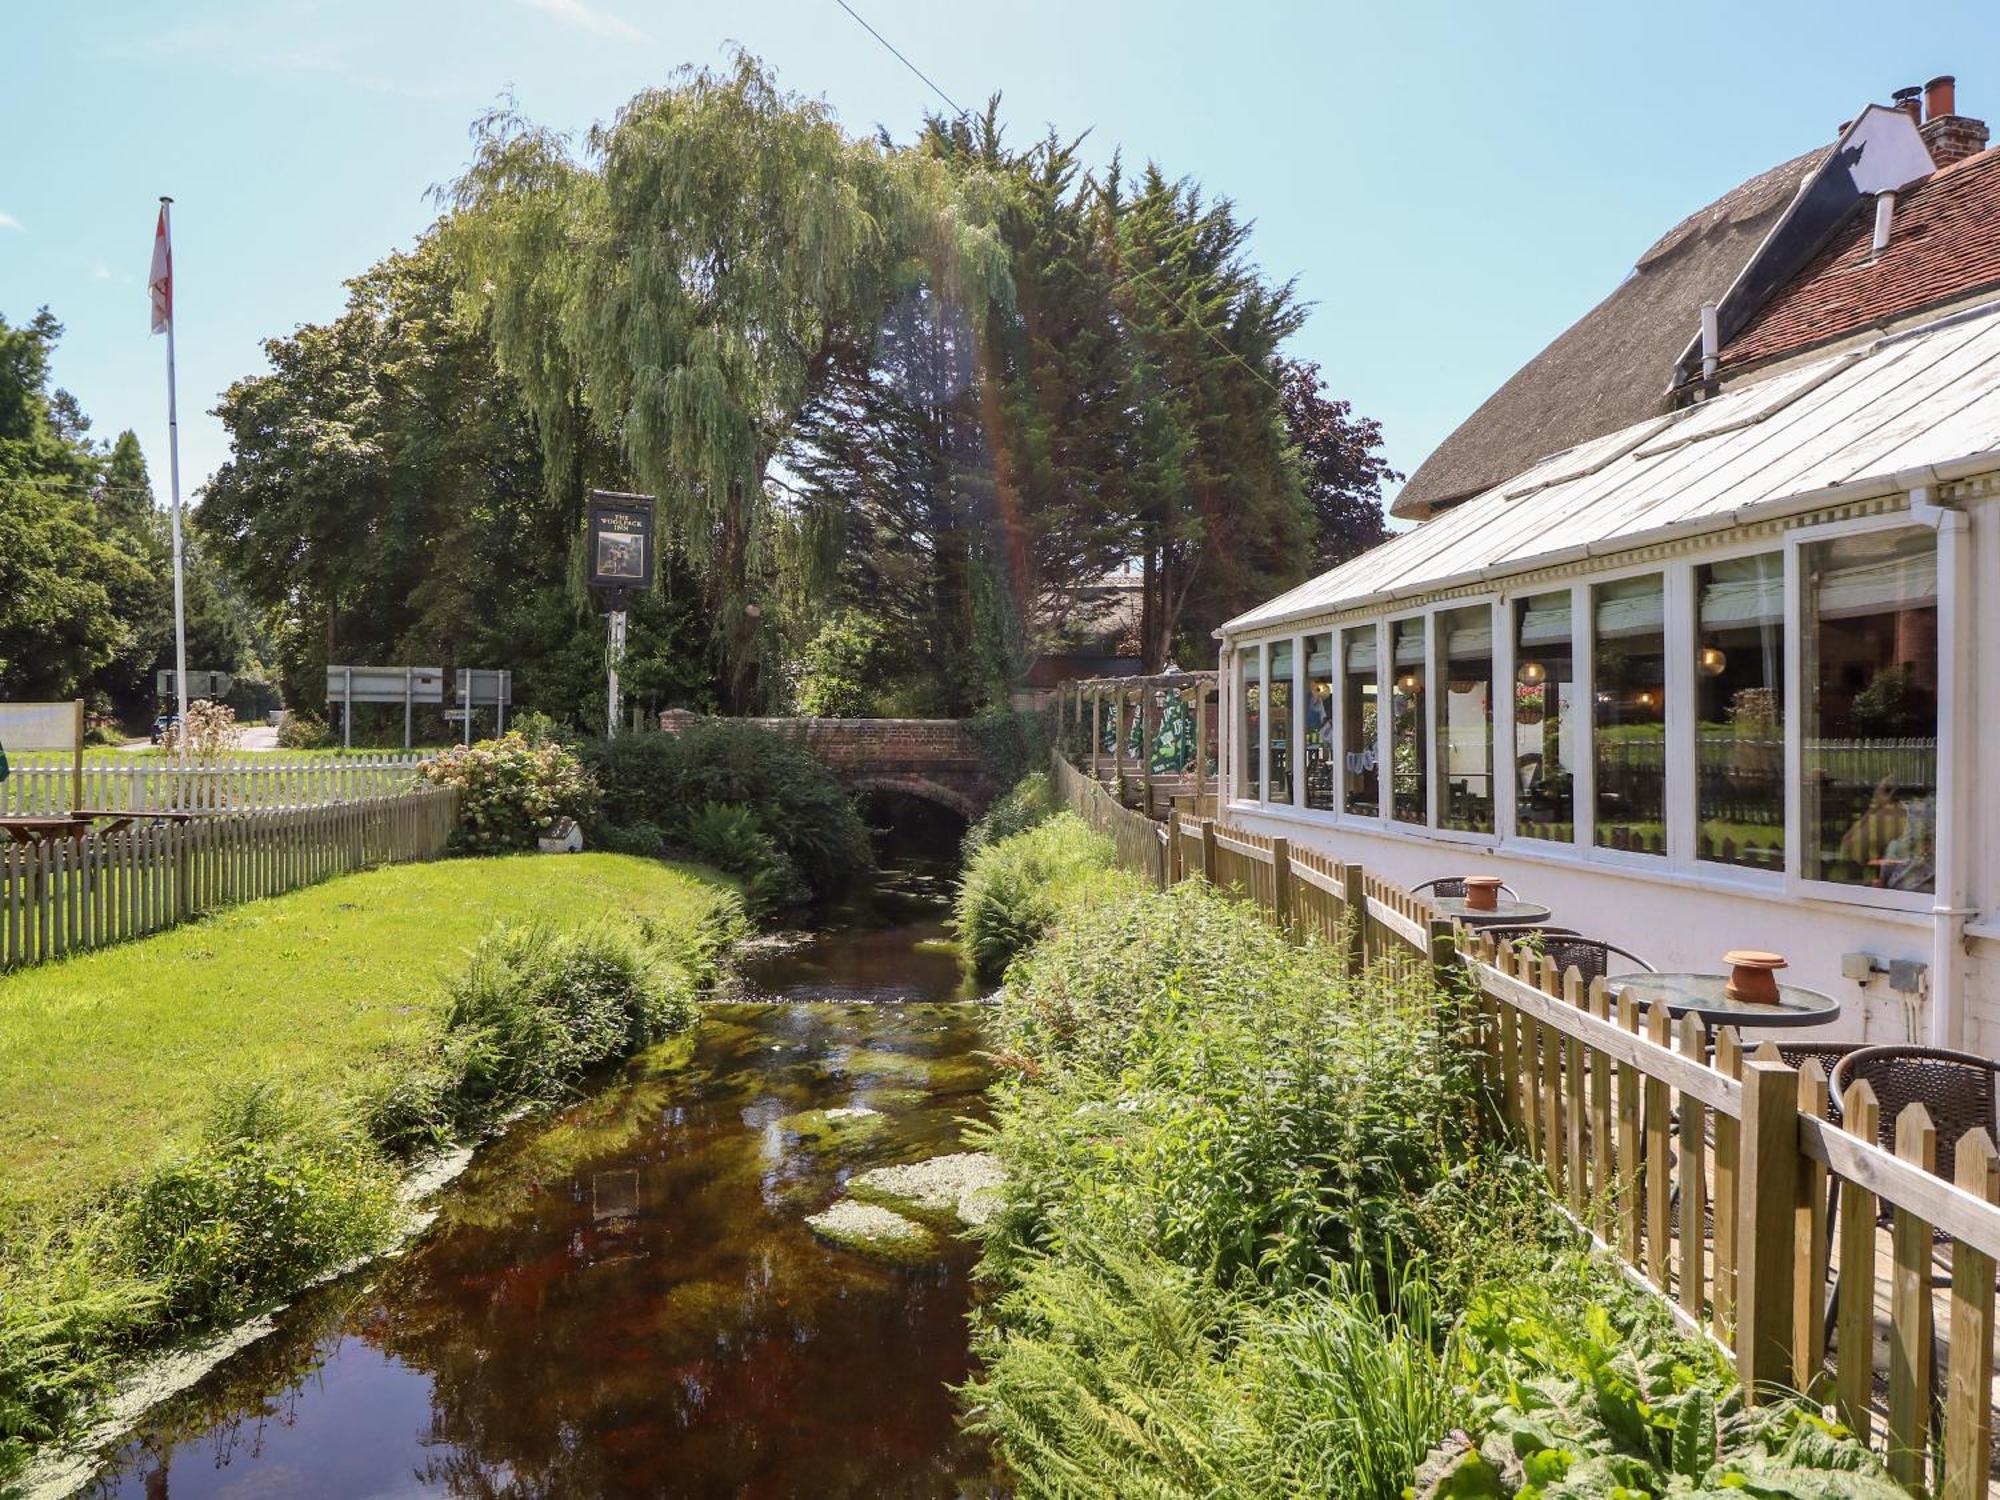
[1612, 367]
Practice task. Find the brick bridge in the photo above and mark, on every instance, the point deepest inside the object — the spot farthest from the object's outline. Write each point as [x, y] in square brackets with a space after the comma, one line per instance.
[935, 759]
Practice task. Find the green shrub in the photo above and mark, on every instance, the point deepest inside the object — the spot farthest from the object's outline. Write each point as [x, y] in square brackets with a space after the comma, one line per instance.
[1013, 890]
[269, 1201]
[667, 779]
[509, 791]
[733, 839]
[643, 839]
[538, 1007]
[303, 731]
[1230, 1095]
[1030, 801]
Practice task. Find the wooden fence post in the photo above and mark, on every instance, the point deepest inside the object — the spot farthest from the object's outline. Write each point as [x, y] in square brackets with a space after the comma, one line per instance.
[1767, 1178]
[1854, 1307]
[1968, 1410]
[1441, 944]
[1910, 1312]
[1354, 893]
[1210, 855]
[1281, 882]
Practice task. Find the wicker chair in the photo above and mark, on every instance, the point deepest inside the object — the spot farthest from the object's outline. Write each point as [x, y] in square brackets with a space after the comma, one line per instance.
[1589, 956]
[1450, 886]
[1956, 1088]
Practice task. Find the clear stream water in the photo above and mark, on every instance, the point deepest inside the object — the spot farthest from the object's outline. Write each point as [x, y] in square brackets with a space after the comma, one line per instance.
[622, 1299]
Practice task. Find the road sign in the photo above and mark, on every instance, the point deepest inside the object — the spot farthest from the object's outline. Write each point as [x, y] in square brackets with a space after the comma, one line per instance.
[199, 684]
[477, 685]
[408, 686]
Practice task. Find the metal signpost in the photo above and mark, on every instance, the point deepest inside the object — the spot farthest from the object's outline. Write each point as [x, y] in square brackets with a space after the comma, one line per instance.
[620, 553]
[408, 686]
[477, 685]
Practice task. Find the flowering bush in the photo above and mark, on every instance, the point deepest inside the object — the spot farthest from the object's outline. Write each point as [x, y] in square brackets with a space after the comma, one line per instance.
[210, 729]
[510, 791]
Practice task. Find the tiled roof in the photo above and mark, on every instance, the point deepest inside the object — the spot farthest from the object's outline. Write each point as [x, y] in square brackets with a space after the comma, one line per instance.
[1944, 244]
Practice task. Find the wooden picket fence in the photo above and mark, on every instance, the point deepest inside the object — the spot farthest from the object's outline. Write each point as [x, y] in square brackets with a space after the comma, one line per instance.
[1705, 1168]
[231, 781]
[69, 895]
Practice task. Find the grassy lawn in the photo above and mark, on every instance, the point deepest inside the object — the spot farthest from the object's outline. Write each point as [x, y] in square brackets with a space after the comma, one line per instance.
[110, 1061]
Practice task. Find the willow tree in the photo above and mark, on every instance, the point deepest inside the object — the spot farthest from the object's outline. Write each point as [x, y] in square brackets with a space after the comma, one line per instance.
[683, 284]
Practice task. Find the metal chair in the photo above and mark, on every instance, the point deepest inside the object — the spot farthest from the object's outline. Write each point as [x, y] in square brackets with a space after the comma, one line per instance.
[1452, 886]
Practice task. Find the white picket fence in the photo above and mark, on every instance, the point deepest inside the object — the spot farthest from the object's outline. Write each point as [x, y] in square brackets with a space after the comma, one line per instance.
[234, 781]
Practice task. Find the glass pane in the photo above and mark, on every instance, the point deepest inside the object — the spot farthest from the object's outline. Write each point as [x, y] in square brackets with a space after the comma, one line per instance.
[1545, 726]
[1465, 719]
[1249, 692]
[1739, 706]
[1870, 753]
[1363, 794]
[1631, 719]
[1320, 749]
[1280, 695]
[1406, 726]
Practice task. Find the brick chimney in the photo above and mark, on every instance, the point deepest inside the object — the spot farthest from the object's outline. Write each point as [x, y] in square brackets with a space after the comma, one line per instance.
[1950, 135]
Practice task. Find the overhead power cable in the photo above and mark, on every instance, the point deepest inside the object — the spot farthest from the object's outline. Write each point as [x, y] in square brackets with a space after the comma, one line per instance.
[893, 52]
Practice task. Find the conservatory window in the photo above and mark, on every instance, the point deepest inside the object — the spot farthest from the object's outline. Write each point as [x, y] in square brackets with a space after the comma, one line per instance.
[1249, 692]
[1362, 793]
[1320, 748]
[1869, 644]
[1630, 719]
[1465, 719]
[1278, 693]
[1739, 709]
[1408, 742]
[1546, 751]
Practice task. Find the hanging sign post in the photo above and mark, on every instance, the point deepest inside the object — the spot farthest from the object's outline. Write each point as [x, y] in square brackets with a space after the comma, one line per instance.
[620, 552]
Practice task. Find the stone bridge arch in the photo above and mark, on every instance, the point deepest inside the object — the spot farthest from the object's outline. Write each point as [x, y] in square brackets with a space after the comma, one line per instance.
[935, 759]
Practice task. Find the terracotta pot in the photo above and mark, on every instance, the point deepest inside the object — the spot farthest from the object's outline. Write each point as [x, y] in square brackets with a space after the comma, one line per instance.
[1753, 975]
[1482, 893]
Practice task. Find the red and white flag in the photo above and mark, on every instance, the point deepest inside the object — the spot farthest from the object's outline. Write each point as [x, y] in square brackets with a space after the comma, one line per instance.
[162, 283]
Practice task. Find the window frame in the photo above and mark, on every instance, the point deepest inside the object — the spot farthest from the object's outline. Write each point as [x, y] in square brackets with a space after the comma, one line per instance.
[1950, 612]
[1471, 837]
[1742, 875]
[1385, 720]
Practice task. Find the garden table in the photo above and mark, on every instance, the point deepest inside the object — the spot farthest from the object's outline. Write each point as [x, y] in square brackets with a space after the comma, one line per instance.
[1704, 995]
[1508, 909]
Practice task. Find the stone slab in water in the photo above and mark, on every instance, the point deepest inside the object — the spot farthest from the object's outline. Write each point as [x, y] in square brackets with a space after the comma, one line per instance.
[873, 1230]
[964, 1186]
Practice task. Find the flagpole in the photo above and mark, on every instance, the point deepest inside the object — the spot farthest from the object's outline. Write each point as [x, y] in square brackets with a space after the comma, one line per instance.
[174, 472]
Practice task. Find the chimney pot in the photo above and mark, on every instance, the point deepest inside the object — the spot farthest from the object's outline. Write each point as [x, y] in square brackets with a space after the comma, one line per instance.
[1910, 101]
[1941, 97]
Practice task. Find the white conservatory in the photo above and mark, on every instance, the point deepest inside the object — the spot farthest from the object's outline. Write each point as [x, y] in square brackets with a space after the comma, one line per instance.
[1725, 678]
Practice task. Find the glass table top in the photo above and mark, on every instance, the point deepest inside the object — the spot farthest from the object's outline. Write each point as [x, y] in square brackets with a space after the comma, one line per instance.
[1703, 995]
[1507, 910]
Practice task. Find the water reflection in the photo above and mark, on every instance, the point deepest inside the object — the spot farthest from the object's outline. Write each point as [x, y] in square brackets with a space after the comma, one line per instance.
[623, 1300]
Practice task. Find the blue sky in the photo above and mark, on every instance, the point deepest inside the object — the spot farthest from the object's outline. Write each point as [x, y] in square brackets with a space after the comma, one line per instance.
[1450, 184]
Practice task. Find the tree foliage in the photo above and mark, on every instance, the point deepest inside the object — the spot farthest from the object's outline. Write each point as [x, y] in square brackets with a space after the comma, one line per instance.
[86, 581]
[904, 408]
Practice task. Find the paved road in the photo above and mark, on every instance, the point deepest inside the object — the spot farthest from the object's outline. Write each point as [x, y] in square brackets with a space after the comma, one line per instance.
[255, 737]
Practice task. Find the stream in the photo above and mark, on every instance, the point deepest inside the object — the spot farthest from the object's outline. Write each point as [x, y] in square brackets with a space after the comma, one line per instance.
[623, 1299]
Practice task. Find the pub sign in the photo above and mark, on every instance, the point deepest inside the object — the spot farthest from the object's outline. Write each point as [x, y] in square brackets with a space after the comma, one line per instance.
[620, 541]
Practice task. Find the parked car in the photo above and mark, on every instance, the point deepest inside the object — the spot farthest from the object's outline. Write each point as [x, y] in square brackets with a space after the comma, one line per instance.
[163, 724]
